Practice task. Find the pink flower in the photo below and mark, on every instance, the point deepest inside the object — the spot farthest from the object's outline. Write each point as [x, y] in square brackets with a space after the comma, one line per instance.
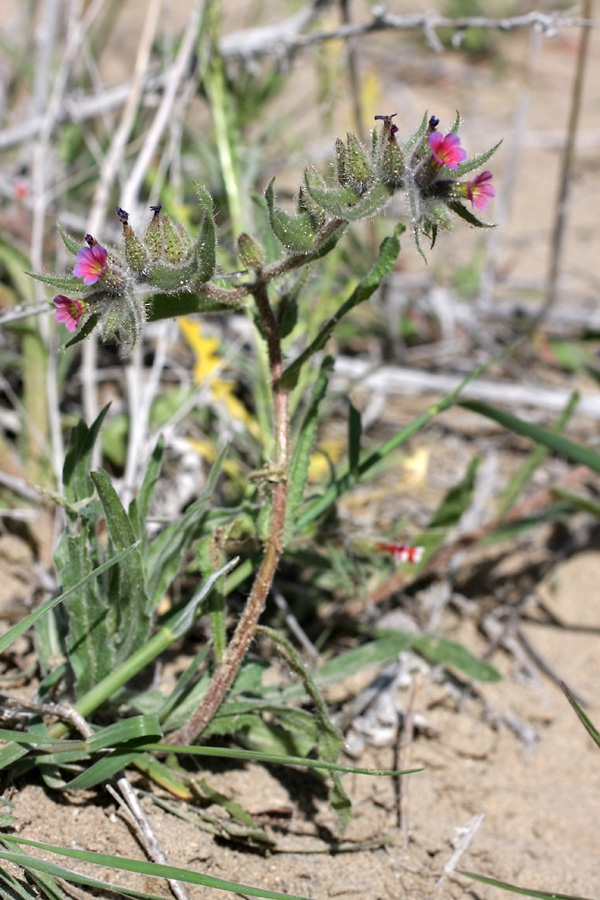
[68, 311]
[447, 150]
[91, 263]
[480, 191]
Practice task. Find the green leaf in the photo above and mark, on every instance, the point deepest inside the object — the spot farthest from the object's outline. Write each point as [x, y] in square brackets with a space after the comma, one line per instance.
[85, 330]
[89, 644]
[298, 473]
[163, 557]
[68, 283]
[76, 478]
[346, 481]
[135, 729]
[449, 653]
[474, 163]
[583, 718]
[168, 306]
[33, 866]
[127, 588]
[340, 204]
[556, 442]
[467, 215]
[70, 243]
[138, 508]
[332, 200]
[419, 133]
[528, 892]
[388, 254]
[457, 499]
[153, 869]
[524, 473]
[294, 232]
[235, 753]
[21, 627]
[354, 436]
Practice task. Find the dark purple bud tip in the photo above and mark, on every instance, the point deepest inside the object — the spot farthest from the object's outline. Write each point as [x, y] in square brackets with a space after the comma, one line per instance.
[387, 118]
[90, 241]
[433, 123]
[156, 209]
[123, 216]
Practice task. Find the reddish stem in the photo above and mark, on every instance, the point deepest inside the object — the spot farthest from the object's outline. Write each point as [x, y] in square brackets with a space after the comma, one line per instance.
[229, 666]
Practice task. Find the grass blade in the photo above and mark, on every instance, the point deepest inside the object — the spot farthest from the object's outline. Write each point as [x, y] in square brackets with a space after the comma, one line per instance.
[556, 442]
[527, 892]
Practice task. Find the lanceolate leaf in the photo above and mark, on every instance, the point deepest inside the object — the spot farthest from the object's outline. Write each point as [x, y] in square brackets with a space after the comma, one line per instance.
[129, 600]
[556, 442]
[474, 163]
[138, 508]
[468, 216]
[70, 243]
[388, 254]
[527, 892]
[167, 306]
[67, 283]
[301, 457]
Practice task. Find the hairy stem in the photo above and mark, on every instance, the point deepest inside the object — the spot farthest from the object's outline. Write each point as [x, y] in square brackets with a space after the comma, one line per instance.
[229, 666]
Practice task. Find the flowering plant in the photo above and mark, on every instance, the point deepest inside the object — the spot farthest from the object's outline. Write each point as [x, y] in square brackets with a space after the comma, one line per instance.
[165, 273]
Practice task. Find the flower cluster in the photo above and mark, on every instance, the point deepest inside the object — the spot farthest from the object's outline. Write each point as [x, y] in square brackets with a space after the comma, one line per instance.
[426, 168]
[118, 285]
[120, 288]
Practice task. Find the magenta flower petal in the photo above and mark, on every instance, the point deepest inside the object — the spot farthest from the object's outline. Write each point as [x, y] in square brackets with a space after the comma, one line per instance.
[447, 150]
[68, 312]
[480, 191]
[91, 263]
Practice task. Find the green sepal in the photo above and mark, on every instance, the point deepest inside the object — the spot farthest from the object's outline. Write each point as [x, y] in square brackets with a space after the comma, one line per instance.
[341, 163]
[359, 167]
[307, 205]
[70, 243]
[333, 201]
[205, 248]
[419, 133]
[393, 162]
[250, 251]
[174, 245]
[476, 162]
[464, 213]
[369, 204]
[294, 232]
[170, 278]
[135, 252]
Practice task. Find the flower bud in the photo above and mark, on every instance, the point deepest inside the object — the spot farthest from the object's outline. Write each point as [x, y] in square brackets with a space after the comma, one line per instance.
[135, 253]
[250, 252]
[341, 163]
[359, 167]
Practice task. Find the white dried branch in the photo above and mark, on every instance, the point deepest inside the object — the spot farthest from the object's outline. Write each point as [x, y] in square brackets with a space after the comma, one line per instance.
[281, 39]
[403, 381]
